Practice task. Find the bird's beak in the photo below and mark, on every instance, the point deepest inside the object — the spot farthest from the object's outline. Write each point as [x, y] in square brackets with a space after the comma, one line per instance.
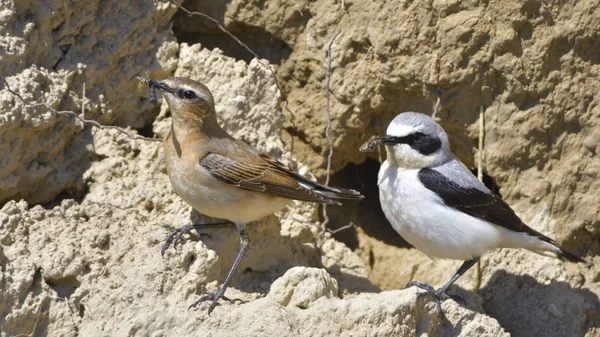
[389, 140]
[160, 86]
[154, 84]
[375, 141]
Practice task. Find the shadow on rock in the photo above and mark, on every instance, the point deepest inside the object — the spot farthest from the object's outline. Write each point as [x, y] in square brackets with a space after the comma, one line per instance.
[350, 283]
[272, 254]
[525, 307]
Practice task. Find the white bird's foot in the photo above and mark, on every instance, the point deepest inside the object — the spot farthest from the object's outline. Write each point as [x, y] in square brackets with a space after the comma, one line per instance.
[214, 297]
[439, 295]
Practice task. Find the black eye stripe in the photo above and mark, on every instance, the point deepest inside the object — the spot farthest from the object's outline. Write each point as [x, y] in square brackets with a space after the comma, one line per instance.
[421, 142]
[428, 145]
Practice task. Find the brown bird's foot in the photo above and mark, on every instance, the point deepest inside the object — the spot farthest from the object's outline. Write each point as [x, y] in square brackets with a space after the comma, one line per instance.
[214, 297]
[175, 236]
[244, 241]
[439, 295]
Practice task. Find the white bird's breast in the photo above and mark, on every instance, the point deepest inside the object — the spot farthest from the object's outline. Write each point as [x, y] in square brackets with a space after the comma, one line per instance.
[421, 218]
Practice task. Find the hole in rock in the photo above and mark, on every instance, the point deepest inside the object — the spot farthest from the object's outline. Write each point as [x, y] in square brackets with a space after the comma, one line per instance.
[146, 131]
[77, 195]
[489, 182]
[585, 48]
[582, 242]
[367, 213]
[64, 287]
[36, 287]
[195, 29]
[191, 260]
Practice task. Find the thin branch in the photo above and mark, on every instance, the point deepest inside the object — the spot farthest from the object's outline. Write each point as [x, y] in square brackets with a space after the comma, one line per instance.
[309, 99]
[37, 318]
[328, 127]
[437, 106]
[224, 30]
[481, 144]
[480, 177]
[83, 105]
[343, 228]
[72, 114]
[328, 136]
[273, 73]
[248, 49]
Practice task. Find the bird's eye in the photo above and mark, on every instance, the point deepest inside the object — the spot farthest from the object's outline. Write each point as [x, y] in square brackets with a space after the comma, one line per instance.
[418, 137]
[188, 94]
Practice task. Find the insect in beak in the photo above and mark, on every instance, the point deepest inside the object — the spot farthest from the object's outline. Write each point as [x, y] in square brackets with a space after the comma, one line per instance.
[152, 85]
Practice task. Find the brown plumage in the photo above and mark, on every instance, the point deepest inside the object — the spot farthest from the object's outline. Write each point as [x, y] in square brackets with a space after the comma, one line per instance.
[222, 177]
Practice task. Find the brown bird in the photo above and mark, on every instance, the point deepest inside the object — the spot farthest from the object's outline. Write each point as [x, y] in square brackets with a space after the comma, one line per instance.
[222, 177]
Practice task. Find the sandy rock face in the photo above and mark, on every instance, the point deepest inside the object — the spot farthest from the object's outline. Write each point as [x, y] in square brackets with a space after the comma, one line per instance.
[530, 65]
[87, 267]
[83, 210]
[50, 50]
[93, 267]
[300, 287]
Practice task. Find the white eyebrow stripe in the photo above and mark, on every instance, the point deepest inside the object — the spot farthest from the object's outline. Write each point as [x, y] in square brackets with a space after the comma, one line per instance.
[399, 130]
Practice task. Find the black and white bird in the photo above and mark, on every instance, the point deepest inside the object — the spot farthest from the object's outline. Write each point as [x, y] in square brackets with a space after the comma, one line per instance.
[436, 204]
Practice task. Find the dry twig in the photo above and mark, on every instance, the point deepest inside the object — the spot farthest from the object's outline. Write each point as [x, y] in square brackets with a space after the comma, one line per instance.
[309, 99]
[480, 177]
[72, 114]
[328, 136]
[437, 106]
[37, 318]
[248, 49]
[328, 95]
[343, 228]
[83, 105]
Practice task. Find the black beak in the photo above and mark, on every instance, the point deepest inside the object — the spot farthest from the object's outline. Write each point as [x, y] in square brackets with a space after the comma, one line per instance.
[389, 140]
[160, 86]
[372, 143]
[154, 84]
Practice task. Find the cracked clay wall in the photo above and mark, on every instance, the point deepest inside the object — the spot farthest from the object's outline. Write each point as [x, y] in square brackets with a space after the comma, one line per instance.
[83, 210]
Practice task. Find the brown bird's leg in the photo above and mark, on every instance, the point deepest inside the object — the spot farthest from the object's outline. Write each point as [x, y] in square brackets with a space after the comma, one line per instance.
[214, 297]
[176, 234]
[441, 293]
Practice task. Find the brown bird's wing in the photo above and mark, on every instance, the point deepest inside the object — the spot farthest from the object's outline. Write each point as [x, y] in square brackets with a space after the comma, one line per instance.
[262, 173]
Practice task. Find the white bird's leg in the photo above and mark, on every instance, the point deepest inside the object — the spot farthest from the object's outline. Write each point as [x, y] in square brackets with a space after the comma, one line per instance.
[244, 243]
[441, 293]
[176, 234]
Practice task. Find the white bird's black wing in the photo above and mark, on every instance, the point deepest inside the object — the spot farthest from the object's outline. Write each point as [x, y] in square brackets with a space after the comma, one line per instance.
[475, 202]
[480, 203]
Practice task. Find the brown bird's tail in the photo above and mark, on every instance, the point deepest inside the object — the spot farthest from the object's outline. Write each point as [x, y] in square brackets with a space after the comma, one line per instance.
[313, 191]
[327, 194]
[337, 192]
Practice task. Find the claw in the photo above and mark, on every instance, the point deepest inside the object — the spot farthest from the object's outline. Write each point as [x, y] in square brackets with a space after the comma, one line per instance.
[442, 293]
[425, 286]
[176, 235]
[214, 297]
[439, 295]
